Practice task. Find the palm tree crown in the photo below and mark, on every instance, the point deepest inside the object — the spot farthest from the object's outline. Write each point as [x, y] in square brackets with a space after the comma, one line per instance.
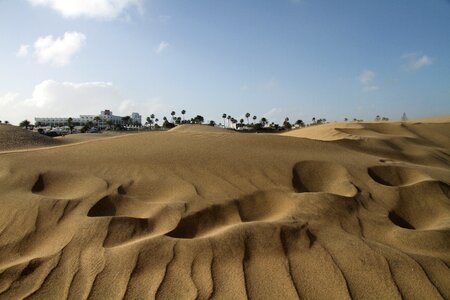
[247, 115]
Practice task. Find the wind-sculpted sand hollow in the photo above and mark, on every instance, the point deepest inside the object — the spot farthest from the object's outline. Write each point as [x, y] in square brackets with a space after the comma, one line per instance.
[198, 213]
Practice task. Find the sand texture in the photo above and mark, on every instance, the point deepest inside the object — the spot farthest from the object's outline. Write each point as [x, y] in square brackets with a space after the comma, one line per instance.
[13, 137]
[336, 211]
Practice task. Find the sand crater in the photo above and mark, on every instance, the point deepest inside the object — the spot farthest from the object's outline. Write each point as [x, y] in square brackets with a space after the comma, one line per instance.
[415, 211]
[323, 176]
[67, 185]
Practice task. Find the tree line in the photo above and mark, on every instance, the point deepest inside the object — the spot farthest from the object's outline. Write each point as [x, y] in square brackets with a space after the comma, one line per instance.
[152, 122]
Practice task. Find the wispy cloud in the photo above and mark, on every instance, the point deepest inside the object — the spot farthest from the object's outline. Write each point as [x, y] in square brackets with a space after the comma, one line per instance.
[58, 51]
[415, 61]
[23, 51]
[161, 47]
[100, 9]
[367, 79]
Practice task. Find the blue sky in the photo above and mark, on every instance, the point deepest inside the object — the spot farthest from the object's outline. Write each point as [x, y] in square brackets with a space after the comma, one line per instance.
[301, 59]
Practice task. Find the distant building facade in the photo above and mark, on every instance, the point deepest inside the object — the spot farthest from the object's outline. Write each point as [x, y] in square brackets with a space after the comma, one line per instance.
[105, 118]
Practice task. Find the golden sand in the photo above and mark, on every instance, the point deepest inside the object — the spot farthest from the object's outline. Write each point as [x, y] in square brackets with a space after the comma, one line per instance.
[335, 211]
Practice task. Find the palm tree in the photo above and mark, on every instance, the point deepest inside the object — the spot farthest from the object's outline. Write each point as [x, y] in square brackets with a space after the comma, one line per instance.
[97, 118]
[149, 121]
[183, 112]
[242, 121]
[126, 120]
[70, 124]
[263, 121]
[24, 123]
[198, 119]
[300, 123]
[247, 115]
[228, 118]
[224, 116]
[314, 119]
[286, 123]
[173, 116]
[254, 118]
[109, 123]
[234, 121]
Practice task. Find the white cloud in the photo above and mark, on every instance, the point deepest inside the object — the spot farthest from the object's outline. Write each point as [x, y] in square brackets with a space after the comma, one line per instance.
[8, 99]
[69, 99]
[58, 52]
[161, 47]
[100, 9]
[164, 18]
[23, 51]
[415, 61]
[367, 78]
[60, 99]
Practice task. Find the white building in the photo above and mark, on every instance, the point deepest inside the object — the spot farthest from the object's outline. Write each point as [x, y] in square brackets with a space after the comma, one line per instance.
[105, 118]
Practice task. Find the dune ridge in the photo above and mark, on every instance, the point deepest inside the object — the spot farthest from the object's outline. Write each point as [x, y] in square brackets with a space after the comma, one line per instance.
[199, 214]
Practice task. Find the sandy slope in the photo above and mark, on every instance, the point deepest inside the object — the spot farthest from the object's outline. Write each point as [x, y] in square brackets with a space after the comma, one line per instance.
[200, 129]
[13, 137]
[192, 214]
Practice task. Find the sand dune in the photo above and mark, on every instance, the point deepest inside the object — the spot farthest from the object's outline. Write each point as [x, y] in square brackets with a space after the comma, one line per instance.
[13, 137]
[200, 129]
[333, 211]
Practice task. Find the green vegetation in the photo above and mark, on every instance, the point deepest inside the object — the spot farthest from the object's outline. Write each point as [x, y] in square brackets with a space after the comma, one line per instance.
[24, 123]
